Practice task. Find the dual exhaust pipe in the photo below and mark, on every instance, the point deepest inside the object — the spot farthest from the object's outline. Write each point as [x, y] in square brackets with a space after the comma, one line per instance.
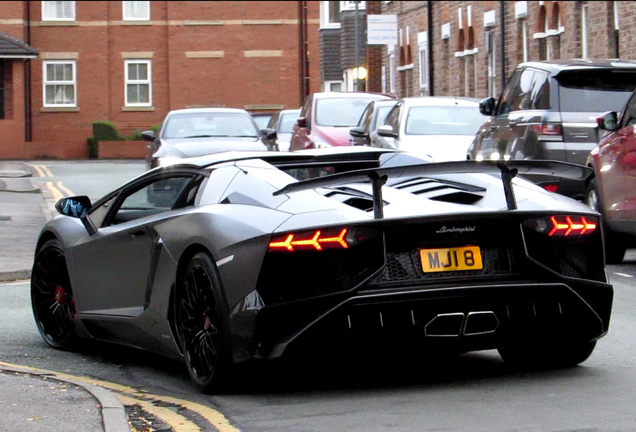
[459, 323]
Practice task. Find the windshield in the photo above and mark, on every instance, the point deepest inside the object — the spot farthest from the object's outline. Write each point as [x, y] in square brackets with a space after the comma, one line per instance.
[595, 91]
[210, 124]
[340, 112]
[443, 120]
[287, 122]
[262, 120]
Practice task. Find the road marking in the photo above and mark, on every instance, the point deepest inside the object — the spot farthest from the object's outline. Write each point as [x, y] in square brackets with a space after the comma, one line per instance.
[167, 415]
[47, 171]
[38, 168]
[624, 275]
[64, 189]
[16, 283]
[212, 416]
[57, 195]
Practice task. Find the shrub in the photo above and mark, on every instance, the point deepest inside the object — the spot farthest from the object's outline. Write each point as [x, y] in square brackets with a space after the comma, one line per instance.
[134, 136]
[91, 145]
[105, 131]
[155, 128]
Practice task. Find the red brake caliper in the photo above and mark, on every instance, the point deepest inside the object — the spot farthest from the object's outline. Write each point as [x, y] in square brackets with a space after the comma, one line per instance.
[60, 298]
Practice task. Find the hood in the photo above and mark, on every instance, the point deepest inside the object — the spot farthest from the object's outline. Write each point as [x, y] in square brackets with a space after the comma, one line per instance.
[193, 147]
[442, 148]
[335, 136]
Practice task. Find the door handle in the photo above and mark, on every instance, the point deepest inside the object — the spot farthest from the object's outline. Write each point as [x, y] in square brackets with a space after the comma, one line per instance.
[512, 123]
[138, 234]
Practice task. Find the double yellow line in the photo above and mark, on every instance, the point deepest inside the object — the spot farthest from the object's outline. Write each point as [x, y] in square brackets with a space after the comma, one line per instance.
[168, 409]
[58, 190]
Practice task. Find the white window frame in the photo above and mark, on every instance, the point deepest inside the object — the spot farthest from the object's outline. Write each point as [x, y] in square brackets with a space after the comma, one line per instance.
[49, 18]
[324, 17]
[392, 73]
[584, 31]
[46, 82]
[615, 6]
[491, 58]
[326, 86]
[383, 80]
[128, 18]
[128, 81]
[422, 57]
[351, 5]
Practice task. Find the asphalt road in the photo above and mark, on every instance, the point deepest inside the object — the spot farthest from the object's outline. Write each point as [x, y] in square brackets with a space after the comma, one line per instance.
[381, 391]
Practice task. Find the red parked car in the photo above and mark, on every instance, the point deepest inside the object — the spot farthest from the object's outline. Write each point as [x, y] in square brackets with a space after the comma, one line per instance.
[325, 118]
[612, 190]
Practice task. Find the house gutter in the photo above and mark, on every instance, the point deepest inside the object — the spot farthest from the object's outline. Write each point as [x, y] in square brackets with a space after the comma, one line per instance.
[503, 43]
[28, 121]
[431, 62]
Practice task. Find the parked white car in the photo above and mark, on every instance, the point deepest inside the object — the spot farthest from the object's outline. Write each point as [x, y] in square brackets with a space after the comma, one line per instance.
[439, 127]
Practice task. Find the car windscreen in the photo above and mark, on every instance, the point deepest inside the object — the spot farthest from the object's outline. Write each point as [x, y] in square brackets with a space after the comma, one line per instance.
[443, 120]
[340, 112]
[595, 90]
[209, 124]
[262, 120]
[287, 122]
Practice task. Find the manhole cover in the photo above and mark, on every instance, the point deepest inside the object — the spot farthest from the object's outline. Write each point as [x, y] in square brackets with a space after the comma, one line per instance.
[5, 218]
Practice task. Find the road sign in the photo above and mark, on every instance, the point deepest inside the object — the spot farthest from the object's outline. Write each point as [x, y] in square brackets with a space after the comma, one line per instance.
[382, 29]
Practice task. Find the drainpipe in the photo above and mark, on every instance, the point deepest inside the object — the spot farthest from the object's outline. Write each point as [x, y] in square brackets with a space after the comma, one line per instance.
[28, 123]
[302, 51]
[503, 43]
[431, 62]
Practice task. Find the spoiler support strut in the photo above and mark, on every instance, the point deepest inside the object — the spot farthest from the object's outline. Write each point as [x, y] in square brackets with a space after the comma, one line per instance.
[377, 182]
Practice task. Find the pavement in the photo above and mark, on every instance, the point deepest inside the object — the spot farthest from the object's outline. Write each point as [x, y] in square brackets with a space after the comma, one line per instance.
[33, 400]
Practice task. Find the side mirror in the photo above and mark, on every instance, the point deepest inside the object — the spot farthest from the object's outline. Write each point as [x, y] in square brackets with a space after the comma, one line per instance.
[387, 131]
[487, 106]
[301, 122]
[358, 132]
[608, 121]
[75, 206]
[148, 135]
[268, 134]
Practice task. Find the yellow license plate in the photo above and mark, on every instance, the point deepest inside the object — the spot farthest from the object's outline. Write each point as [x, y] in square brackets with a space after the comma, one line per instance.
[451, 259]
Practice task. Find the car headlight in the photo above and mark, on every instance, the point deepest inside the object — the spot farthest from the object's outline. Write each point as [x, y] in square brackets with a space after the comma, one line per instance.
[169, 160]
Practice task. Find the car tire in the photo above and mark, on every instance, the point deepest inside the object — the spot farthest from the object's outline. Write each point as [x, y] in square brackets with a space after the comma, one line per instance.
[545, 355]
[52, 297]
[615, 247]
[201, 323]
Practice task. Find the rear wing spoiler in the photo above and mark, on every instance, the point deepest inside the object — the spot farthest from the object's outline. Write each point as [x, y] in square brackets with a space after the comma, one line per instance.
[507, 169]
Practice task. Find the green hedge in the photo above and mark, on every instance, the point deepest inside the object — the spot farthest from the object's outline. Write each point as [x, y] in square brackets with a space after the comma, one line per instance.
[105, 131]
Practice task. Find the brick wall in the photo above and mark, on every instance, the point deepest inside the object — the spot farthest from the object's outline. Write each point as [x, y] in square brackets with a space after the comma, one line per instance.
[462, 73]
[233, 53]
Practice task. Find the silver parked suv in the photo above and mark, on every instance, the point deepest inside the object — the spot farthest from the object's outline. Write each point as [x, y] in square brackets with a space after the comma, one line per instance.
[548, 110]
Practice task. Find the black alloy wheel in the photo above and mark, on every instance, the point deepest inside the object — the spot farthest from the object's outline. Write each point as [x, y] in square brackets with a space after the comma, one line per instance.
[200, 322]
[52, 297]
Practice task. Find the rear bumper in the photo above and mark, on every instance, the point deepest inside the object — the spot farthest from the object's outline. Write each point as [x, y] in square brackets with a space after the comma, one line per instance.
[461, 318]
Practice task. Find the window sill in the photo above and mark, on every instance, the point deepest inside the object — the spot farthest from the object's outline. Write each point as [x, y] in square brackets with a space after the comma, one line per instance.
[59, 109]
[136, 23]
[405, 67]
[58, 24]
[138, 108]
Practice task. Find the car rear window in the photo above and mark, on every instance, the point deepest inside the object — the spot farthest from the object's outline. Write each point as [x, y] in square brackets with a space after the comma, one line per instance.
[443, 120]
[345, 112]
[594, 90]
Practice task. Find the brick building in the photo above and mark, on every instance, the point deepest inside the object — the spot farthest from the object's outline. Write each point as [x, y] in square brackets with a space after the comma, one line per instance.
[469, 48]
[66, 64]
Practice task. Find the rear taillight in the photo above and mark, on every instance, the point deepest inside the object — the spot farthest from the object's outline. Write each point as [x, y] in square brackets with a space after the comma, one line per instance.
[317, 240]
[563, 225]
[550, 187]
[548, 131]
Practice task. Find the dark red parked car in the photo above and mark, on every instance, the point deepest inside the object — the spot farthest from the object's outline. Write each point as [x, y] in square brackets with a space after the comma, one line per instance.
[325, 118]
[612, 190]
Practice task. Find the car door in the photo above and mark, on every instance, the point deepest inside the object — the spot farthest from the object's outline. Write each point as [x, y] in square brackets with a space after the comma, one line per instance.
[115, 265]
[393, 120]
[495, 135]
[617, 168]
